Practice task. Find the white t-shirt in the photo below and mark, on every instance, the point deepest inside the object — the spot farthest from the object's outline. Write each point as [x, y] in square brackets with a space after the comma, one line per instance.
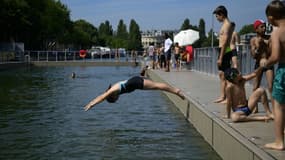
[167, 44]
[150, 50]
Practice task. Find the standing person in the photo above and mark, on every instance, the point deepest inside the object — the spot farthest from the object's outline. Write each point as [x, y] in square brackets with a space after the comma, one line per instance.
[225, 54]
[151, 55]
[233, 45]
[275, 12]
[145, 58]
[177, 52]
[137, 82]
[236, 97]
[167, 51]
[162, 61]
[157, 59]
[259, 49]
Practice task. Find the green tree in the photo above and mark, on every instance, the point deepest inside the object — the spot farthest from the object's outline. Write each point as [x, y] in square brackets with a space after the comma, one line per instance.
[122, 30]
[105, 33]
[134, 36]
[13, 16]
[84, 34]
[54, 22]
[185, 25]
[121, 38]
[33, 22]
[208, 41]
[202, 34]
[247, 29]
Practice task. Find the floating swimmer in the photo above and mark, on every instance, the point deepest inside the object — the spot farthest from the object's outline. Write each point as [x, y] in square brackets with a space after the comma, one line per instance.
[137, 82]
[73, 75]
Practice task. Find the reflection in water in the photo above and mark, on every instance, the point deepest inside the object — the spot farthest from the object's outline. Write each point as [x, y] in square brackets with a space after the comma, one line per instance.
[42, 117]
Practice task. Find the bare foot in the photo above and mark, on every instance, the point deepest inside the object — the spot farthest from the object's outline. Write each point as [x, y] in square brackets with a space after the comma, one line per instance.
[255, 109]
[220, 99]
[267, 118]
[275, 146]
[224, 101]
[270, 115]
[180, 94]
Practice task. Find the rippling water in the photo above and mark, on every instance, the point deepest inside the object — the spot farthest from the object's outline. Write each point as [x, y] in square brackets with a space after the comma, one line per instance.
[42, 117]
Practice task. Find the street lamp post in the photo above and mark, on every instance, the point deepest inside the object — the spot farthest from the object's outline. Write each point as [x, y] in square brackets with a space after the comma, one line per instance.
[212, 40]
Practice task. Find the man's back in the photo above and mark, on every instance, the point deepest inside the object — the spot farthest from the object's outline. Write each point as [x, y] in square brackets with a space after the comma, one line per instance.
[238, 94]
[281, 32]
[234, 40]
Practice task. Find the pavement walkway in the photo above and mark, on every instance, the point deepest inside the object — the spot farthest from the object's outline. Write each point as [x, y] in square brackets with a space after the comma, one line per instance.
[204, 89]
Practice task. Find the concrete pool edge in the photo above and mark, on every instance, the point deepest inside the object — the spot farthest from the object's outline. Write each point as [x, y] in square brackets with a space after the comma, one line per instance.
[220, 135]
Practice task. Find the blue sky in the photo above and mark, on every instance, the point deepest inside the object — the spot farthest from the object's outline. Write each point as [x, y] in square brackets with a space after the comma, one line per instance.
[165, 14]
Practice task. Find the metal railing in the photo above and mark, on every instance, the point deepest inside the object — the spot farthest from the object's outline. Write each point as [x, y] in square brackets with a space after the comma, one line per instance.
[31, 56]
[205, 61]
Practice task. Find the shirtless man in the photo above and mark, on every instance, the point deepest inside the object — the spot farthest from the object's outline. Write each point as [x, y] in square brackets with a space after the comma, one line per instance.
[225, 54]
[236, 97]
[260, 49]
[177, 52]
[276, 16]
[234, 41]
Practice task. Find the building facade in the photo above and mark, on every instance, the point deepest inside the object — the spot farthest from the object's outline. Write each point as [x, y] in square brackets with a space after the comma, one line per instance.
[154, 37]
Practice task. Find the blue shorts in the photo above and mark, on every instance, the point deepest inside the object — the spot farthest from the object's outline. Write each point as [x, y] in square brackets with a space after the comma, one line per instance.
[278, 92]
[244, 109]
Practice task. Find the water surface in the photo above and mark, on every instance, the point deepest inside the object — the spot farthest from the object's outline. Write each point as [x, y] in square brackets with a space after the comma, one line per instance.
[42, 117]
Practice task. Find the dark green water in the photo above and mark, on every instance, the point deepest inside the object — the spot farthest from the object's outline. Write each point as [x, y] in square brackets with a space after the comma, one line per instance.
[42, 117]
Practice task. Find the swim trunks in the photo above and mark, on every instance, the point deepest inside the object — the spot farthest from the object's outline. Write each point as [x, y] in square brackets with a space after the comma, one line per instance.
[234, 53]
[131, 84]
[244, 109]
[278, 92]
[177, 57]
[264, 69]
[226, 61]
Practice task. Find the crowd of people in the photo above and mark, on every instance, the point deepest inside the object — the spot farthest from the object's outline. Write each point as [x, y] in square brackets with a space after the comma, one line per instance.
[160, 56]
[267, 50]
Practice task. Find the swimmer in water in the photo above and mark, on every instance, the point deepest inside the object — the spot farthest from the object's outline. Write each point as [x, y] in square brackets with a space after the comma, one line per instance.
[73, 75]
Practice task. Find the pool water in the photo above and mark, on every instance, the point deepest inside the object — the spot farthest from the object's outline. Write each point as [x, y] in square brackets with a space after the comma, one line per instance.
[42, 117]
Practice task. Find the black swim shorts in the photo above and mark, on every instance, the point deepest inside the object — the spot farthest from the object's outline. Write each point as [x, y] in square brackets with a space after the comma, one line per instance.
[226, 61]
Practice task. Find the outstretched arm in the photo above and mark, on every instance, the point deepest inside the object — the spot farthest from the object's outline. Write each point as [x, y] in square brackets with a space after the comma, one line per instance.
[229, 101]
[101, 97]
[253, 74]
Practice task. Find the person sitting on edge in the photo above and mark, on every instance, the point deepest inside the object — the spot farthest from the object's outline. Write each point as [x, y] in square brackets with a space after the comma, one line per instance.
[137, 82]
[236, 97]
